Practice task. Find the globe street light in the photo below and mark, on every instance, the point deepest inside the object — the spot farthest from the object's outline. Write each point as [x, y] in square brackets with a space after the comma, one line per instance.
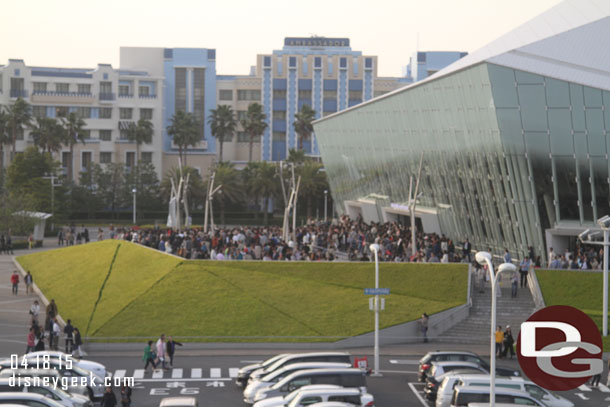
[325, 204]
[484, 258]
[375, 249]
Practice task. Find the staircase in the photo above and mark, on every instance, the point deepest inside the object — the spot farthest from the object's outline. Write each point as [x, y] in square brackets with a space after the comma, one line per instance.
[476, 329]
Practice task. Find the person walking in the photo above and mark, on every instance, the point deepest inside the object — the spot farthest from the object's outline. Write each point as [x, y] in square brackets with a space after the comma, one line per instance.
[499, 341]
[125, 396]
[34, 311]
[15, 282]
[29, 280]
[171, 349]
[69, 331]
[78, 342]
[507, 256]
[514, 282]
[161, 353]
[31, 341]
[508, 343]
[108, 399]
[149, 356]
[424, 326]
[524, 269]
[54, 342]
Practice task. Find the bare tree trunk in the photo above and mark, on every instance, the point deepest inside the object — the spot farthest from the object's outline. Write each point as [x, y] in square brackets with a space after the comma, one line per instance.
[71, 164]
[265, 214]
[222, 211]
[221, 140]
[251, 147]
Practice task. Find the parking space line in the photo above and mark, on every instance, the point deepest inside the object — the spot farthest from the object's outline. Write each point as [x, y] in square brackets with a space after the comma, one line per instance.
[419, 397]
[583, 387]
[603, 388]
[196, 373]
[233, 371]
[215, 372]
[138, 374]
[158, 374]
[120, 373]
[176, 373]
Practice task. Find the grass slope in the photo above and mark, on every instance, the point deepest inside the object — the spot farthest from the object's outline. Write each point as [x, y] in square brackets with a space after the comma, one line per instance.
[148, 293]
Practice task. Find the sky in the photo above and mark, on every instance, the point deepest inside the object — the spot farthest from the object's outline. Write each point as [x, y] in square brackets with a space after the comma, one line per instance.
[83, 33]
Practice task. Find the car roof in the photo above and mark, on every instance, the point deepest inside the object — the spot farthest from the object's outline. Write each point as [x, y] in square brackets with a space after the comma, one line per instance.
[338, 390]
[331, 404]
[31, 372]
[455, 362]
[28, 396]
[513, 379]
[351, 370]
[451, 352]
[309, 365]
[503, 390]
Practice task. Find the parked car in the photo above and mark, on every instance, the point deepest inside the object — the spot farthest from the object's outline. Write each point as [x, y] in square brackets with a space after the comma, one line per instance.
[95, 367]
[433, 383]
[55, 392]
[179, 402]
[282, 401]
[460, 356]
[28, 399]
[336, 357]
[244, 373]
[463, 396]
[350, 377]
[331, 404]
[52, 373]
[277, 375]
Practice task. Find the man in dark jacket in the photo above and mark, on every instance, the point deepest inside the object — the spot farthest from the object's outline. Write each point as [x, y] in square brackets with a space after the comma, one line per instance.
[171, 349]
[69, 331]
[108, 399]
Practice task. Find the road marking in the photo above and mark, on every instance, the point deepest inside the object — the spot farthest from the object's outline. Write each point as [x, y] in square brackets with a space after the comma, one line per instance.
[250, 361]
[155, 380]
[120, 373]
[583, 387]
[582, 396]
[419, 397]
[233, 371]
[196, 373]
[603, 388]
[404, 362]
[176, 373]
[138, 374]
[157, 374]
[215, 372]
[398, 371]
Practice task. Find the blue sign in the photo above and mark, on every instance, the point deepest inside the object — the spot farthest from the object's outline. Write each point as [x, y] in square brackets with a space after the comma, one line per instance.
[316, 42]
[376, 291]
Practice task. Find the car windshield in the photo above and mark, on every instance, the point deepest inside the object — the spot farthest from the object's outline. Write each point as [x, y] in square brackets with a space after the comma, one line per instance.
[269, 361]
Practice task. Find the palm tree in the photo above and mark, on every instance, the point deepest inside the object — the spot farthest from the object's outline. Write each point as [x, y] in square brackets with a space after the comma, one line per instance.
[140, 133]
[20, 116]
[47, 134]
[297, 157]
[184, 130]
[313, 182]
[254, 124]
[223, 123]
[302, 124]
[231, 188]
[260, 180]
[73, 133]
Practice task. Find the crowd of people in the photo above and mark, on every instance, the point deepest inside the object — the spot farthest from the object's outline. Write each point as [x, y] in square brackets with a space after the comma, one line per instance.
[585, 257]
[160, 354]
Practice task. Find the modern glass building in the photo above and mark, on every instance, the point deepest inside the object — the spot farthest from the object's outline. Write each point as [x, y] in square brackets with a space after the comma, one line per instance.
[514, 139]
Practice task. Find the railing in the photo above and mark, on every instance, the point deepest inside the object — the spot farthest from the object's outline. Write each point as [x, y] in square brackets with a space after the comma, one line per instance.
[107, 96]
[125, 95]
[19, 93]
[532, 282]
[147, 96]
[70, 94]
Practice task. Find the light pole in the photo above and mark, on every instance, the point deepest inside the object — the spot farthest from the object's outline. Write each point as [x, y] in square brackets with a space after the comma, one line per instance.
[133, 191]
[484, 258]
[375, 249]
[325, 204]
[52, 177]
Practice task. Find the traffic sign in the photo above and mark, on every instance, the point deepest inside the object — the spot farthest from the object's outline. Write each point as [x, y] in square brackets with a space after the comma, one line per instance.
[376, 291]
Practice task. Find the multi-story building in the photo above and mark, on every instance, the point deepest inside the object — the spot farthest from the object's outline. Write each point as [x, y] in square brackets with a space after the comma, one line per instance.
[107, 99]
[426, 63]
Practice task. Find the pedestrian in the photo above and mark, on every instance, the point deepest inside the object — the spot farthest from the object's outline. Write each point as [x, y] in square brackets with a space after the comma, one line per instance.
[149, 356]
[8, 244]
[466, 249]
[171, 349]
[108, 399]
[29, 280]
[15, 282]
[69, 331]
[30, 241]
[524, 269]
[34, 311]
[39, 340]
[161, 354]
[514, 281]
[507, 256]
[508, 343]
[31, 341]
[499, 340]
[424, 326]
[595, 380]
[78, 342]
[125, 396]
[51, 314]
[56, 333]
[60, 237]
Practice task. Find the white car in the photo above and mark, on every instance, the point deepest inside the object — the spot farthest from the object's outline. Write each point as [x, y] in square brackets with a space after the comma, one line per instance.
[53, 392]
[28, 399]
[281, 401]
[332, 357]
[51, 373]
[349, 395]
[95, 367]
[277, 375]
[244, 373]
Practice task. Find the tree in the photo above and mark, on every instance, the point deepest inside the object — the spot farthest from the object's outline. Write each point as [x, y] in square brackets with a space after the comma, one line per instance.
[195, 190]
[20, 116]
[260, 181]
[73, 133]
[140, 133]
[184, 130]
[231, 188]
[313, 182]
[47, 134]
[222, 122]
[296, 157]
[5, 139]
[254, 124]
[303, 124]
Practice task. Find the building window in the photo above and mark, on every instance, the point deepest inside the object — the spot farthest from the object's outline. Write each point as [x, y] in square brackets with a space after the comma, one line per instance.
[144, 91]
[368, 63]
[379, 93]
[304, 94]
[83, 112]
[105, 113]
[61, 111]
[279, 115]
[130, 159]
[124, 90]
[40, 87]
[62, 87]
[343, 63]
[106, 135]
[86, 134]
[146, 157]
[241, 115]
[123, 135]
[39, 111]
[248, 94]
[146, 114]
[85, 160]
[330, 94]
[105, 157]
[225, 94]
[292, 62]
[20, 133]
[317, 62]
[267, 62]
[355, 95]
[84, 88]
[243, 137]
[65, 159]
[125, 113]
[279, 93]
[279, 136]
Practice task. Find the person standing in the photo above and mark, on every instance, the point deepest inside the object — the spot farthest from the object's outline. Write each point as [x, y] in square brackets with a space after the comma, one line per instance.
[9, 244]
[15, 282]
[499, 341]
[509, 341]
[34, 311]
[55, 337]
[108, 399]
[171, 349]
[524, 269]
[424, 326]
[161, 353]
[29, 280]
[51, 314]
[466, 249]
[149, 356]
[514, 282]
[125, 396]
[78, 342]
[507, 256]
[31, 341]
[69, 331]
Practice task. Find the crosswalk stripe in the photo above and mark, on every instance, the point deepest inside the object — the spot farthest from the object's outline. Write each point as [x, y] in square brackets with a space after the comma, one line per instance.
[138, 374]
[233, 371]
[603, 388]
[158, 374]
[215, 373]
[196, 373]
[176, 373]
[120, 373]
[584, 388]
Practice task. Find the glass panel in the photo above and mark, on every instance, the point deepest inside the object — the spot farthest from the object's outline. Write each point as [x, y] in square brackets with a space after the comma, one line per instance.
[602, 190]
[578, 107]
[532, 100]
[595, 132]
[565, 168]
[561, 135]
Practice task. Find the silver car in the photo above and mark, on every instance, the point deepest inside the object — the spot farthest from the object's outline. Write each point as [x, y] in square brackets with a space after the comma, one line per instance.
[28, 399]
[56, 393]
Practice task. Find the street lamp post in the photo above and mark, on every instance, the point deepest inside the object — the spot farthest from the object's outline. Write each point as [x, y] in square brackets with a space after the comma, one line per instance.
[484, 258]
[375, 249]
[133, 191]
[325, 204]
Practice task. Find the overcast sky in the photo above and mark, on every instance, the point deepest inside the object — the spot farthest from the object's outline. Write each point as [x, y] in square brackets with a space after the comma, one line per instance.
[83, 33]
